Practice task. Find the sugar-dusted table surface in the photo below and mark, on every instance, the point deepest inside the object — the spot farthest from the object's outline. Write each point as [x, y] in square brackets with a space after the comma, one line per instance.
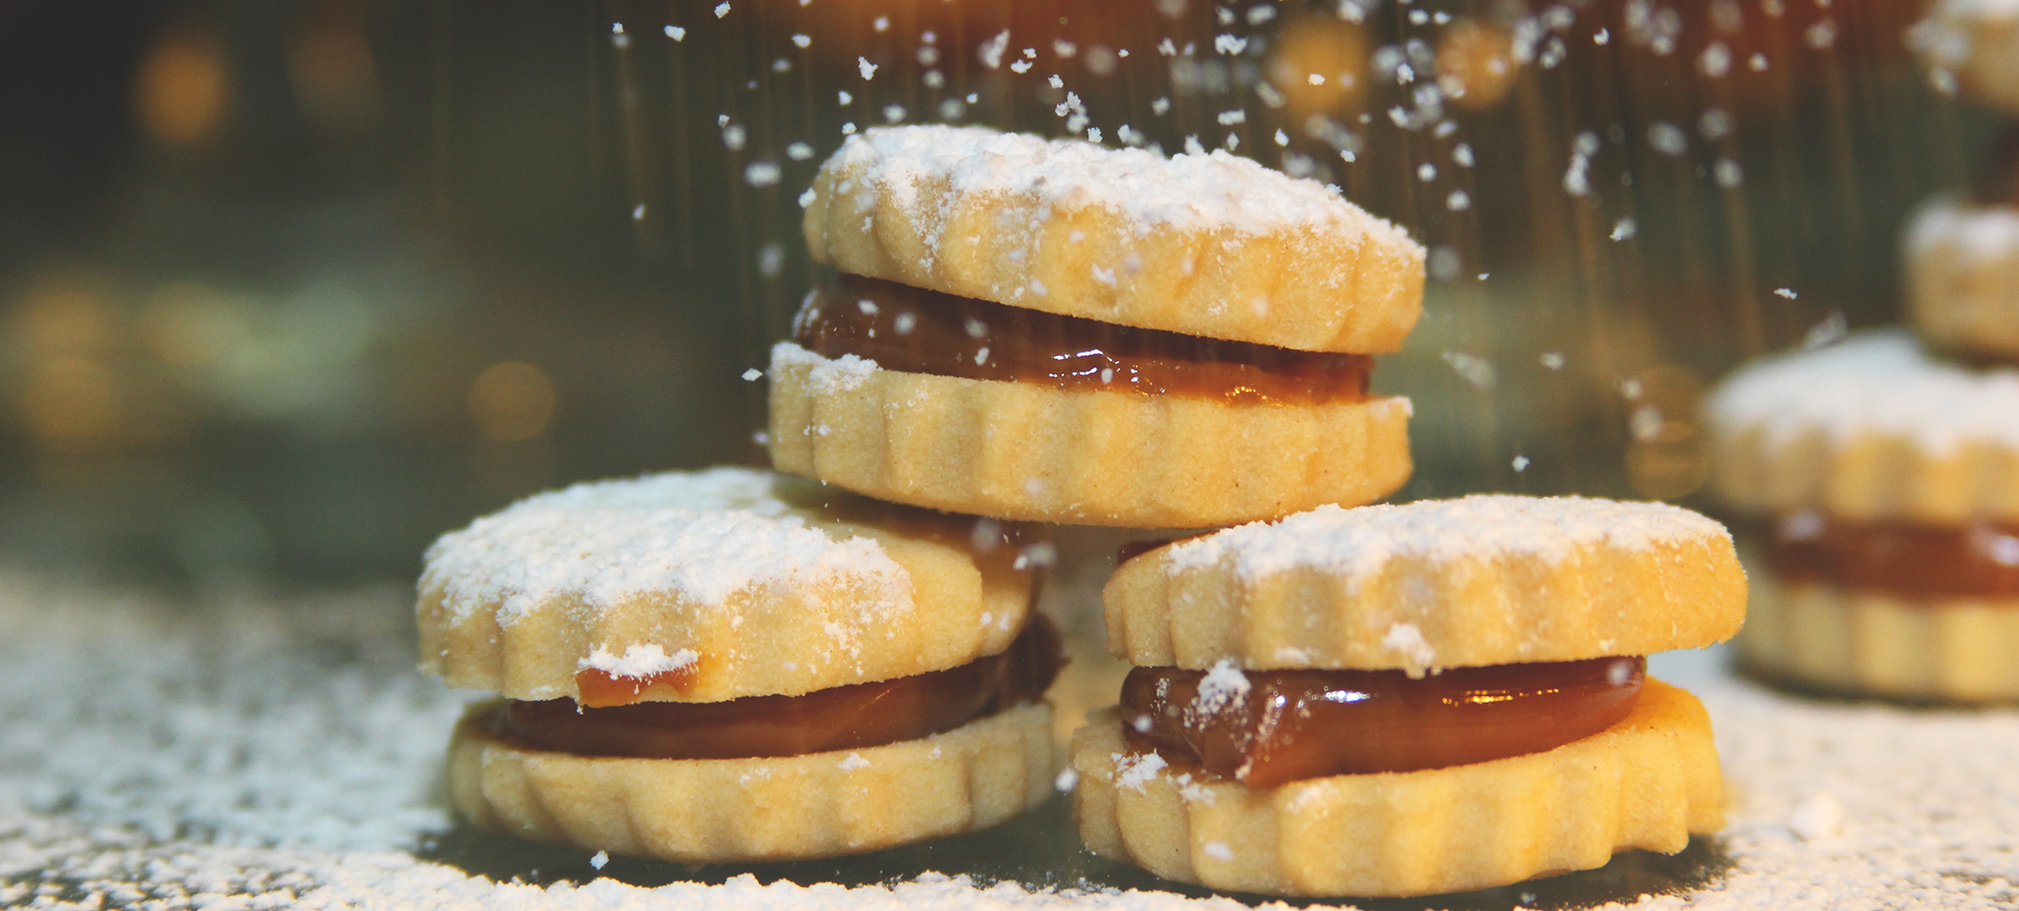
[244, 750]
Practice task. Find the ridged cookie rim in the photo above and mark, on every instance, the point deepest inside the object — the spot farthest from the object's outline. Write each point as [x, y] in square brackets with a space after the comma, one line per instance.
[967, 221]
[1878, 644]
[1784, 437]
[941, 603]
[1271, 596]
[946, 443]
[709, 809]
[1963, 276]
[1399, 825]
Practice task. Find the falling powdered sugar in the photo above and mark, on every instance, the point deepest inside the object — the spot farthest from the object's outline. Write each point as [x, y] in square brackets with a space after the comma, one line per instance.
[1361, 540]
[702, 537]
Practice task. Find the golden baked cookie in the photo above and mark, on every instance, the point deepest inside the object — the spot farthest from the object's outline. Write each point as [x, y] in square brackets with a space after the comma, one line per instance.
[1975, 43]
[1875, 642]
[1649, 781]
[1026, 451]
[774, 808]
[1963, 277]
[1869, 429]
[1432, 584]
[743, 582]
[1210, 245]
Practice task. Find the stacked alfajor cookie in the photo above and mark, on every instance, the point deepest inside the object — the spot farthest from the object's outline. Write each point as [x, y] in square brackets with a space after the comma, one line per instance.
[1881, 475]
[1962, 250]
[732, 665]
[1884, 487]
[1062, 332]
[1403, 700]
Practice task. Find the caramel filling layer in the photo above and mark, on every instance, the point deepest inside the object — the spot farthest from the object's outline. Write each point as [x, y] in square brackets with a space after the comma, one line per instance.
[840, 718]
[1914, 561]
[913, 330]
[1284, 726]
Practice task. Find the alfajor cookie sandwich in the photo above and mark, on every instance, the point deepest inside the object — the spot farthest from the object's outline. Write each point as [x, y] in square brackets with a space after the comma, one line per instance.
[1407, 700]
[1883, 489]
[1962, 258]
[731, 665]
[1063, 332]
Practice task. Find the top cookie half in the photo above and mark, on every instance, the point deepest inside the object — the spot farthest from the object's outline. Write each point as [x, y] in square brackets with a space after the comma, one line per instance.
[725, 583]
[1430, 585]
[1210, 245]
[1870, 429]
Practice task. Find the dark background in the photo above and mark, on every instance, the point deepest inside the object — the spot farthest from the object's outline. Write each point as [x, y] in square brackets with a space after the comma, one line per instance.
[288, 288]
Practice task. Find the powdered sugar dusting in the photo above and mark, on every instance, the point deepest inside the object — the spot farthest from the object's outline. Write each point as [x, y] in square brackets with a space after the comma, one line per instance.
[828, 375]
[702, 536]
[1204, 191]
[1362, 539]
[259, 753]
[1220, 688]
[1872, 383]
[638, 661]
[1982, 234]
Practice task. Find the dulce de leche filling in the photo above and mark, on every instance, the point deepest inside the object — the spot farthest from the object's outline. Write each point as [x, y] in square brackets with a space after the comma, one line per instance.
[1267, 728]
[839, 718]
[913, 330]
[1914, 561]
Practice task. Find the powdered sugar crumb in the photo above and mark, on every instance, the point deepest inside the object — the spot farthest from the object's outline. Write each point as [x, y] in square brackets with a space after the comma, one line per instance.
[1133, 770]
[828, 376]
[1363, 539]
[1205, 191]
[702, 536]
[1416, 651]
[1221, 687]
[853, 763]
[638, 661]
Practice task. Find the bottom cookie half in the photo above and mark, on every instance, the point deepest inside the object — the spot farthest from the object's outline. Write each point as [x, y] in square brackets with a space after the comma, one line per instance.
[1954, 649]
[783, 808]
[1648, 782]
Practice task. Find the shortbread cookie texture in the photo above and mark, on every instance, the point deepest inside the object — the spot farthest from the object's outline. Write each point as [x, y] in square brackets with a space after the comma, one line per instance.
[1870, 429]
[1963, 277]
[1432, 584]
[1026, 451]
[738, 582]
[1975, 43]
[1950, 649]
[1205, 244]
[773, 808]
[1648, 782]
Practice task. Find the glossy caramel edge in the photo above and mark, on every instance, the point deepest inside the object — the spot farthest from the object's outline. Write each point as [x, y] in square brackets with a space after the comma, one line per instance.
[1649, 782]
[739, 810]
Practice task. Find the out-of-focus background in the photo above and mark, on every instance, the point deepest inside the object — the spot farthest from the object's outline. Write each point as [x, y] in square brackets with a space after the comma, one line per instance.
[289, 288]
